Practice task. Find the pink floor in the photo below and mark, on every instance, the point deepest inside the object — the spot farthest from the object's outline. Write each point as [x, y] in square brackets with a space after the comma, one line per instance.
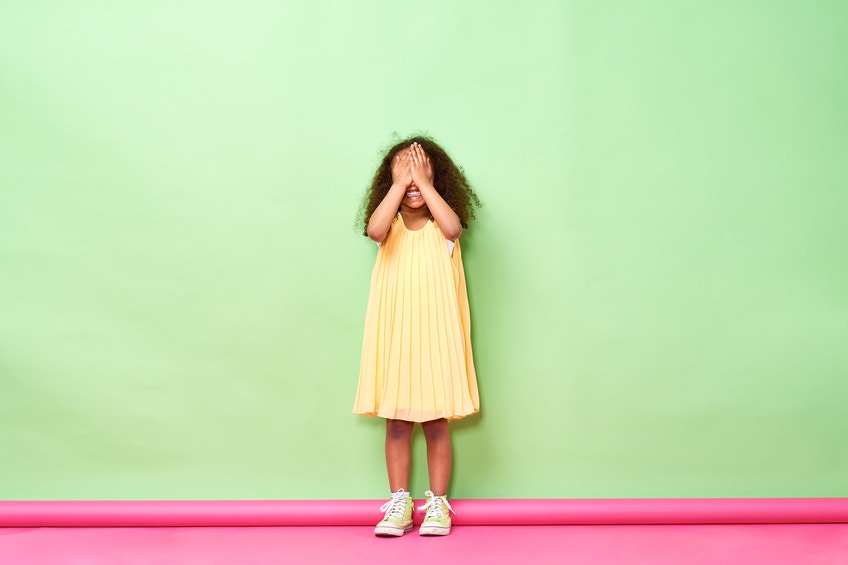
[744, 544]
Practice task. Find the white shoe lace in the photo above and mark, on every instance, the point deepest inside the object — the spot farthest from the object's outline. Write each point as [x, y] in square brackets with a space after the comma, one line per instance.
[394, 508]
[433, 508]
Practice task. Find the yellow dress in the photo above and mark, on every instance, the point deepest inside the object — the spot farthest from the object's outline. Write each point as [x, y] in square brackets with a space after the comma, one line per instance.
[416, 351]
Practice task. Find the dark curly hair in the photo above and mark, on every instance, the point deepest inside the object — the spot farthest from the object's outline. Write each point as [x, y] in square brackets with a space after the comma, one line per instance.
[448, 178]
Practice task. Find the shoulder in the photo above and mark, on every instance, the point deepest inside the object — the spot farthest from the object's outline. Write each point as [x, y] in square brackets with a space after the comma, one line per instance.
[448, 242]
[394, 229]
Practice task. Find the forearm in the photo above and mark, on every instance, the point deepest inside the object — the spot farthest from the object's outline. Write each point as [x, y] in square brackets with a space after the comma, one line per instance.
[441, 211]
[383, 216]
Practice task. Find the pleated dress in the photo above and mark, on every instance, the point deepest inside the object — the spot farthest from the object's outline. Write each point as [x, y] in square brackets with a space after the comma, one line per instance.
[416, 360]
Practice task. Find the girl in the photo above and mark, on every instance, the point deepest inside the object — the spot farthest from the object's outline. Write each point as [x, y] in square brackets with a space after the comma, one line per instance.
[416, 353]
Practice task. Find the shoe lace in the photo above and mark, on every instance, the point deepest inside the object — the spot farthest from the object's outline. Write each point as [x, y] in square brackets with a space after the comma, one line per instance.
[395, 507]
[433, 507]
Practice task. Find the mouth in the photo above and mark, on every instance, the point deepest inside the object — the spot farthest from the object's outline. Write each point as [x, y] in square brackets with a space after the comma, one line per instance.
[413, 194]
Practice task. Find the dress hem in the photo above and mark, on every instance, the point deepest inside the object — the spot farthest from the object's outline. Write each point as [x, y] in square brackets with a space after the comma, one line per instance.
[450, 418]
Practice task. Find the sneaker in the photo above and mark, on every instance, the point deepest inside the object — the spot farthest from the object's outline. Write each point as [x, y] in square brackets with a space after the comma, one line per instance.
[398, 518]
[437, 521]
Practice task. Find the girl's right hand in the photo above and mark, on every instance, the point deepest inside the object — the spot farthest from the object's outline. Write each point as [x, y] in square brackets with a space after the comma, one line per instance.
[402, 169]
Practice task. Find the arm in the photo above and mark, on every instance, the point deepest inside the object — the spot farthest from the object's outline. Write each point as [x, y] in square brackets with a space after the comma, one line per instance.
[422, 174]
[383, 216]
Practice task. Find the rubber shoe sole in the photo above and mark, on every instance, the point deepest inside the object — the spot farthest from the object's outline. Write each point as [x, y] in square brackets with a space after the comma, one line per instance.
[391, 531]
[433, 530]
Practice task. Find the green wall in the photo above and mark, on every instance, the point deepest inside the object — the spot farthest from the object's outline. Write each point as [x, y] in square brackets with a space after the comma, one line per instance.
[658, 278]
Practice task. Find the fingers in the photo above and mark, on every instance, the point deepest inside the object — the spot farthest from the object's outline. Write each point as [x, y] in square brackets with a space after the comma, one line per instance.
[417, 154]
[422, 170]
[400, 162]
[402, 169]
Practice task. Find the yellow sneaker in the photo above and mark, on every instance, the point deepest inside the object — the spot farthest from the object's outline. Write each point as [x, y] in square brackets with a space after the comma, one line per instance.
[437, 521]
[398, 518]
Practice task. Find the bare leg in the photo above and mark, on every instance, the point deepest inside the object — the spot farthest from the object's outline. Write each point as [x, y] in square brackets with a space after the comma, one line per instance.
[398, 435]
[438, 454]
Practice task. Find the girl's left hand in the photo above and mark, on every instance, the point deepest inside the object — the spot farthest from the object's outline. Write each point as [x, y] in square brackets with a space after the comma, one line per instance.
[422, 170]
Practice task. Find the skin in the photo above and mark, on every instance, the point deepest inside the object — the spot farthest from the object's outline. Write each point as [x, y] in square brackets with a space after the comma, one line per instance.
[415, 194]
[411, 173]
[437, 434]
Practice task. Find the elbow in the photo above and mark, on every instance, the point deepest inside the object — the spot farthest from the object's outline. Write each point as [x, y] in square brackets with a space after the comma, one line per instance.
[375, 234]
[453, 234]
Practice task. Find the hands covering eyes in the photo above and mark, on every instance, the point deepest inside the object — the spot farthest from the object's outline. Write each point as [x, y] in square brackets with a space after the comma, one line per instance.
[412, 166]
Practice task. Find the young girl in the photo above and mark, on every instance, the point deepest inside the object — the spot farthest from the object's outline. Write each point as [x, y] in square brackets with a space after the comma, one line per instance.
[416, 353]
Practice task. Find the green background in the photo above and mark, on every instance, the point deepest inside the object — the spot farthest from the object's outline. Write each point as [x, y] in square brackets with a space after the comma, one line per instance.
[658, 277]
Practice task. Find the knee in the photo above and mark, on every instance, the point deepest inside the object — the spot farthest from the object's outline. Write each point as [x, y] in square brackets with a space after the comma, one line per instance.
[398, 429]
[436, 430]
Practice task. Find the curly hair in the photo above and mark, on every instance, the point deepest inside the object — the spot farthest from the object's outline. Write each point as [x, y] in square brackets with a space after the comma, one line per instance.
[448, 178]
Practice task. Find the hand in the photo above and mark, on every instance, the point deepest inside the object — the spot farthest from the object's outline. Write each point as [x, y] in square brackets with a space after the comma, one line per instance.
[401, 171]
[422, 170]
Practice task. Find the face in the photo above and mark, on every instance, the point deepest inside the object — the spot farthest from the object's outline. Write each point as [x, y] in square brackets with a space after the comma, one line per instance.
[412, 199]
